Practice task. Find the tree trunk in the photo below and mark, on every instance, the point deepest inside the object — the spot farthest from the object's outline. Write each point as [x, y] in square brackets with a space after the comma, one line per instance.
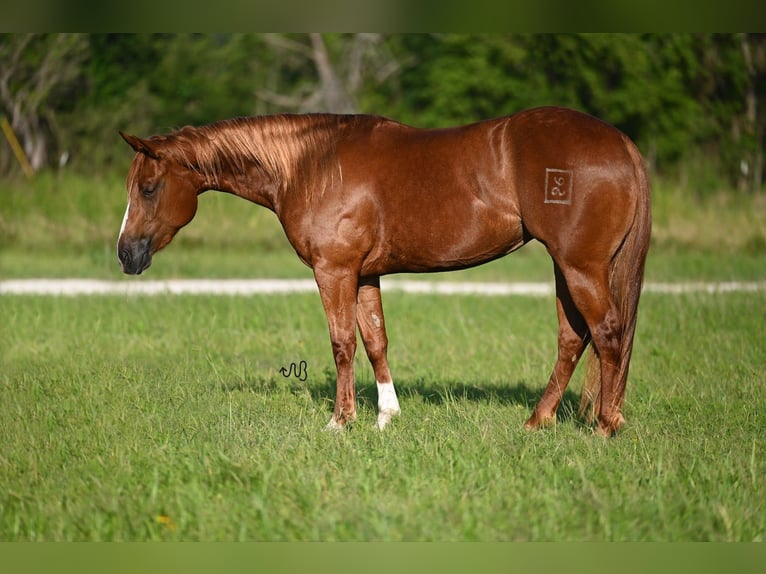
[32, 66]
[751, 173]
[334, 95]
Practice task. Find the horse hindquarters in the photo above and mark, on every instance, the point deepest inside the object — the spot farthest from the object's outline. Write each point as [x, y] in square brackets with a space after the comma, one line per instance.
[585, 196]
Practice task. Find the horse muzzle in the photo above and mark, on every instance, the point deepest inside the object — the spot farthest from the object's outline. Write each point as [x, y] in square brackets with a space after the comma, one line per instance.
[135, 256]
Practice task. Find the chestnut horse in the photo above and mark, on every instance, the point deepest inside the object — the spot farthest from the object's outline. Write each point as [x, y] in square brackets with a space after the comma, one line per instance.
[362, 196]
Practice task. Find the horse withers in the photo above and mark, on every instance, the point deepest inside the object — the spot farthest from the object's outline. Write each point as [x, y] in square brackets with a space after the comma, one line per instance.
[363, 196]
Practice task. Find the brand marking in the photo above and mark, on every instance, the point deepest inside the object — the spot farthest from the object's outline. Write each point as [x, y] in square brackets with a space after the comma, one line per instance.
[558, 186]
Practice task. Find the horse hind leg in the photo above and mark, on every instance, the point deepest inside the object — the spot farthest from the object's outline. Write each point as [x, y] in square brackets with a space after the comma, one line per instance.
[591, 294]
[372, 326]
[572, 338]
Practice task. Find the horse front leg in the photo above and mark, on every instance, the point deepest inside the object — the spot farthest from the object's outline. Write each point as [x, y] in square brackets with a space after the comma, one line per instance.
[338, 289]
[372, 326]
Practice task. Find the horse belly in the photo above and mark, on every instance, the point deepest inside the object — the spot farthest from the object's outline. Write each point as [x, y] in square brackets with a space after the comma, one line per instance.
[444, 242]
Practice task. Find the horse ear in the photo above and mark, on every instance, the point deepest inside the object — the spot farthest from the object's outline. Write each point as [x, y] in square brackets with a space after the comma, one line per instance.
[146, 147]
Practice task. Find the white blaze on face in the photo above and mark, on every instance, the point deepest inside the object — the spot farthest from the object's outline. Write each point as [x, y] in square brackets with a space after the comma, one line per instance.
[124, 220]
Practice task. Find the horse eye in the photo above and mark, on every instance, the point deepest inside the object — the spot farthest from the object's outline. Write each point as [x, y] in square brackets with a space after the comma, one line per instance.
[149, 190]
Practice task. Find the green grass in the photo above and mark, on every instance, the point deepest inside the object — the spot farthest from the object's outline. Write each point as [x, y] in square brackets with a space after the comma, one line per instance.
[166, 418]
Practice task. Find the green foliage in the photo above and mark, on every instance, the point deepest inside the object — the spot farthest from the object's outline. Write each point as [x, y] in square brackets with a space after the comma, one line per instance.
[204, 78]
[677, 95]
[683, 97]
[457, 79]
[154, 83]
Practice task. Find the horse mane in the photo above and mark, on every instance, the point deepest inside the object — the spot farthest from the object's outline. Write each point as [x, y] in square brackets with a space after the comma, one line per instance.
[296, 151]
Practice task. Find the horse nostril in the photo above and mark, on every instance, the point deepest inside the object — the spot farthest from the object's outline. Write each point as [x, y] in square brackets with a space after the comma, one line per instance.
[125, 256]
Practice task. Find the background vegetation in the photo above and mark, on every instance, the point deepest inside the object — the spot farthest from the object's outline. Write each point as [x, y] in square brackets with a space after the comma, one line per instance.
[693, 102]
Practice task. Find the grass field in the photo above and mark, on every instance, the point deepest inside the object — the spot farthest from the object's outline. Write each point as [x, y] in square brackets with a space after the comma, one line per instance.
[167, 418]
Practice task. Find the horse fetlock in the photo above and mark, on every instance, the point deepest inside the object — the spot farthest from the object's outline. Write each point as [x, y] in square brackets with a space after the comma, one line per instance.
[387, 399]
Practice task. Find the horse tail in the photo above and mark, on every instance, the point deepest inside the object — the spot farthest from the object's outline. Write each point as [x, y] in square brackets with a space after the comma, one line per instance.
[625, 282]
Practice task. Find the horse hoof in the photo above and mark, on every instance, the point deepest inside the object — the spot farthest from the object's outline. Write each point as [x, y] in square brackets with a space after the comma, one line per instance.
[384, 418]
[608, 429]
[605, 432]
[334, 426]
[536, 422]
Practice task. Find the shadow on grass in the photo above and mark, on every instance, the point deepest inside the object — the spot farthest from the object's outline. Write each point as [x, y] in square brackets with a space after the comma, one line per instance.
[322, 388]
[518, 393]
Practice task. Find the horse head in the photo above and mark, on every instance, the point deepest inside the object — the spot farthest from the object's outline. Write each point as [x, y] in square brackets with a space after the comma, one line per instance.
[162, 198]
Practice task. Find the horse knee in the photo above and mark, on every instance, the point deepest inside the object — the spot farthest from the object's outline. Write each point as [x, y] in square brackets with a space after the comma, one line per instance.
[343, 350]
[377, 350]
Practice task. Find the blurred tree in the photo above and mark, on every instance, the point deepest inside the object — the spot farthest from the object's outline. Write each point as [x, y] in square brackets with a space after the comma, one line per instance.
[38, 71]
[154, 83]
[693, 102]
[456, 78]
[115, 94]
[753, 130]
[201, 78]
[326, 72]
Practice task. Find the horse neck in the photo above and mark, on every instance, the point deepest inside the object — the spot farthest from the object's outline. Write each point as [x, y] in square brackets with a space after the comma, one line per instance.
[267, 158]
[254, 186]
